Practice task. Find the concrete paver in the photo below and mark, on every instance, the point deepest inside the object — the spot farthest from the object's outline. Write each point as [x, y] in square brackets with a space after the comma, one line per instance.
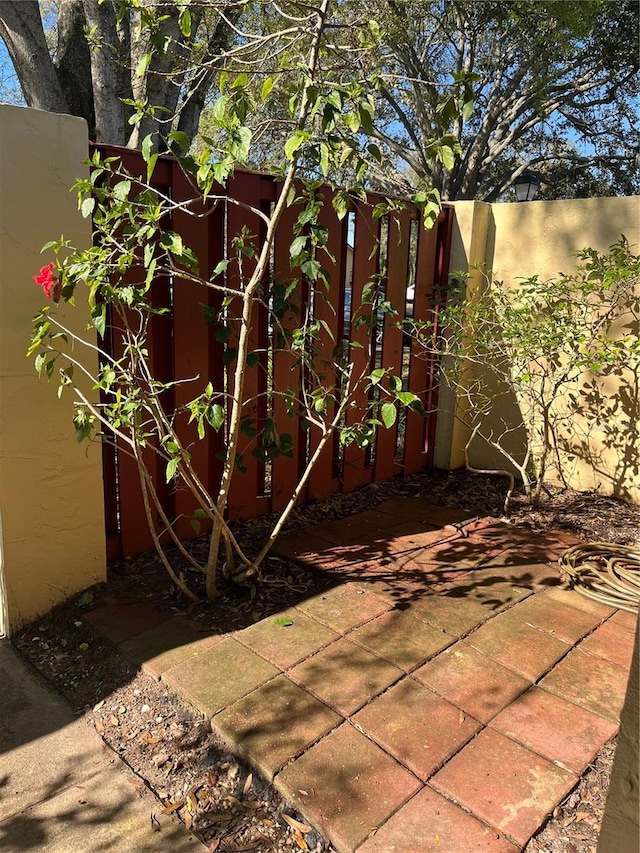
[504, 784]
[284, 644]
[526, 650]
[595, 684]
[401, 639]
[274, 724]
[429, 822]
[555, 728]
[416, 726]
[61, 790]
[219, 676]
[345, 676]
[167, 644]
[345, 607]
[472, 681]
[611, 642]
[364, 787]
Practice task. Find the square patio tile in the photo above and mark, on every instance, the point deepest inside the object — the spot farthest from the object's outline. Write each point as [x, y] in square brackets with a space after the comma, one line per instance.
[582, 602]
[344, 607]
[504, 784]
[554, 728]
[416, 726]
[286, 645]
[219, 676]
[167, 644]
[472, 681]
[363, 788]
[400, 638]
[625, 620]
[516, 645]
[274, 724]
[119, 622]
[345, 676]
[451, 613]
[610, 642]
[428, 823]
[595, 684]
[562, 621]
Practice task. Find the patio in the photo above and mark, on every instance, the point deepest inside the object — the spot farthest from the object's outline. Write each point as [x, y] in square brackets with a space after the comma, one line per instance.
[447, 694]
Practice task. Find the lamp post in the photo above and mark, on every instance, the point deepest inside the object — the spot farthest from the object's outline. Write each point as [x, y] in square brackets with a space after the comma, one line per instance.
[526, 186]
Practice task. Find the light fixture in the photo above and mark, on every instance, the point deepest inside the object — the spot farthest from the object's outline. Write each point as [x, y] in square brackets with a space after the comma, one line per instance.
[526, 186]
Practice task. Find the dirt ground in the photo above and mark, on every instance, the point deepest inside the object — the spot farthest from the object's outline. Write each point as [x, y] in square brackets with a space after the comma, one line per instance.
[192, 774]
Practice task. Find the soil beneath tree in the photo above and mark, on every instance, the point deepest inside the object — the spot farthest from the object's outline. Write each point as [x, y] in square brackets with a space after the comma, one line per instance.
[191, 772]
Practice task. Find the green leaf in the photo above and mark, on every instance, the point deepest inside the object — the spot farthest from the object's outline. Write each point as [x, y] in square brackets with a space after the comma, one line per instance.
[87, 207]
[215, 415]
[184, 22]
[341, 204]
[143, 64]
[377, 375]
[388, 413]
[282, 622]
[121, 190]
[267, 86]
[181, 139]
[295, 141]
[298, 246]
[172, 467]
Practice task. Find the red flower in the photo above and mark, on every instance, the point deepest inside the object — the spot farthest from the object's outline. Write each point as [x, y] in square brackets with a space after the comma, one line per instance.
[46, 280]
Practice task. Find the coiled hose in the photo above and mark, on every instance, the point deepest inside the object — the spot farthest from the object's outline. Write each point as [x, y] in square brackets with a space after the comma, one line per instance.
[606, 573]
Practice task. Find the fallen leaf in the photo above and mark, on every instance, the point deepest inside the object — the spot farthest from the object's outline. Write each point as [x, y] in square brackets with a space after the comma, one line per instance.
[99, 726]
[188, 820]
[147, 737]
[302, 844]
[114, 721]
[296, 824]
[283, 623]
[211, 779]
[173, 807]
[160, 758]
[214, 845]
[252, 804]
[98, 706]
[247, 784]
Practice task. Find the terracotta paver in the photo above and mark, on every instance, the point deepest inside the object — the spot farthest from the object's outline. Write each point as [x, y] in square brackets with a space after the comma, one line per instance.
[582, 602]
[625, 620]
[456, 616]
[219, 676]
[350, 786]
[344, 607]
[472, 681]
[595, 684]
[416, 726]
[167, 644]
[504, 784]
[428, 823]
[518, 646]
[494, 592]
[400, 638]
[285, 644]
[118, 622]
[555, 728]
[610, 642]
[563, 621]
[274, 724]
[299, 544]
[345, 676]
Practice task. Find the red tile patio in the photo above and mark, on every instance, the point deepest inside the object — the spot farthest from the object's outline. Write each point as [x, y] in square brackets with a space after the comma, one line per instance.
[445, 695]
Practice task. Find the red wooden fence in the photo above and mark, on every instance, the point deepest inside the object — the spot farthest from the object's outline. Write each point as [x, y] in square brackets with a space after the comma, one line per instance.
[182, 345]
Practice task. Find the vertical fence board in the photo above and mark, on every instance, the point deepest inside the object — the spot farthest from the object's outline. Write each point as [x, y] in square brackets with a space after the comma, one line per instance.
[365, 266]
[285, 471]
[396, 292]
[329, 309]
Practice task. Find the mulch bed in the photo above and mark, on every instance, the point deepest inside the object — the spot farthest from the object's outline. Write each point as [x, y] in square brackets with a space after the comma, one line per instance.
[191, 772]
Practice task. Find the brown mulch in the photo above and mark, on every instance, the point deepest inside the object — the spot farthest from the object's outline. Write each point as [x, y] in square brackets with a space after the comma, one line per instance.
[191, 772]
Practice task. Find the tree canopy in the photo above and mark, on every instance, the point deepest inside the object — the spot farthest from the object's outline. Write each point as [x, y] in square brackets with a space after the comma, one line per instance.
[494, 88]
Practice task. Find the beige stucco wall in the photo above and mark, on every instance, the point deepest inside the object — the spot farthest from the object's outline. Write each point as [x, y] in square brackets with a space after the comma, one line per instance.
[51, 499]
[541, 238]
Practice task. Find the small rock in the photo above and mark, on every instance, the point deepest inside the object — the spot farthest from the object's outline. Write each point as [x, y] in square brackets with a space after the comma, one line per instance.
[144, 709]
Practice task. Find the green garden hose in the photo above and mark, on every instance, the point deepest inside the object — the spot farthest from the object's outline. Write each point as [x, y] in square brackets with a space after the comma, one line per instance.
[606, 573]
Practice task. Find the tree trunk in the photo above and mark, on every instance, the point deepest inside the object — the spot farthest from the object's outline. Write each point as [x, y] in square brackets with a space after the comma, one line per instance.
[73, 62]
[22, 31]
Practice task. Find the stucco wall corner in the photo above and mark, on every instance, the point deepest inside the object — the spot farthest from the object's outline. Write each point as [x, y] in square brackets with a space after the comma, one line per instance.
[51, 493]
